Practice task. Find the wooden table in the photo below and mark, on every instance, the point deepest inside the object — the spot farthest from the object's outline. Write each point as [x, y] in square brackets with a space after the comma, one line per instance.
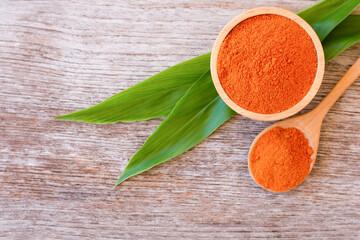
[57, 177]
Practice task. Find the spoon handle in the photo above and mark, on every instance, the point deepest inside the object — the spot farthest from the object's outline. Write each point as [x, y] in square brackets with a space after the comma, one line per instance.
[349, 78]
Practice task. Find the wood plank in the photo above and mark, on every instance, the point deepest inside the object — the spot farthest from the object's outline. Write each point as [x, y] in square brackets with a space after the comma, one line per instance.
[56, 177]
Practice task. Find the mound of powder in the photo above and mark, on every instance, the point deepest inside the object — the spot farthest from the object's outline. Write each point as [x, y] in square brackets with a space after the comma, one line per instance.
[281, 159]
[267, 64]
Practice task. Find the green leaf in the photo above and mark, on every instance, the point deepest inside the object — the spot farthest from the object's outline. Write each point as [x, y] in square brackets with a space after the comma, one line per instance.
[197, 114]
[343, 36]
[317, 11]
[154, 97]
[326, 15]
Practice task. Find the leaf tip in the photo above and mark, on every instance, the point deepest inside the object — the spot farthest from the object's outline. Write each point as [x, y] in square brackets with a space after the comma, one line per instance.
[59, 117]
[119, 181]
[67, 117]
[74, 117]
[124, 176]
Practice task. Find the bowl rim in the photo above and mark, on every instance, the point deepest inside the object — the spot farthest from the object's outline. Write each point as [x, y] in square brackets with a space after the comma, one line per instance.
[319, 72]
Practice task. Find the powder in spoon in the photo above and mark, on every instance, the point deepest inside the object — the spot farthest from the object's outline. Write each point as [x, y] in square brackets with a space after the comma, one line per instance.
[281, 159]
[267, 64]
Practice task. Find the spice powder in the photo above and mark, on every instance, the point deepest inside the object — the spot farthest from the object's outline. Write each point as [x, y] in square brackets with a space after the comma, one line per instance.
[267, 64]
[281, 159]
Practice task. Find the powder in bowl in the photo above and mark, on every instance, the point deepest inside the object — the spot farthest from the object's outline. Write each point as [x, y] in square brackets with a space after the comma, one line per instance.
[281, 159]
[267, 64]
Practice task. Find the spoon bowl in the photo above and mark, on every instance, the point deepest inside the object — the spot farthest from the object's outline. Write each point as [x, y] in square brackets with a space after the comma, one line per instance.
[310, 123]
[312, 134]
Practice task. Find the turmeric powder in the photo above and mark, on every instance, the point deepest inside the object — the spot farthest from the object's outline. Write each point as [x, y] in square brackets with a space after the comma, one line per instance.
[281, 159]
[267, 64]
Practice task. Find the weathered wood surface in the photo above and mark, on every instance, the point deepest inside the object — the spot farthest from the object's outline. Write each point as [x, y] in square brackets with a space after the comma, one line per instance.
[56, 177]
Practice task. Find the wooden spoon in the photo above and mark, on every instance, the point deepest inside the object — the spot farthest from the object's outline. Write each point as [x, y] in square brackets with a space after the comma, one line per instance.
[310, 123]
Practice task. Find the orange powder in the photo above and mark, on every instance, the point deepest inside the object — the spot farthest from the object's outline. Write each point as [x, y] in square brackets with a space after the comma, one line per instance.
[281, 159]
[267, 64]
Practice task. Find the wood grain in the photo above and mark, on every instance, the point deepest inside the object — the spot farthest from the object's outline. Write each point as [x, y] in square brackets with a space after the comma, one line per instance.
[56, 177]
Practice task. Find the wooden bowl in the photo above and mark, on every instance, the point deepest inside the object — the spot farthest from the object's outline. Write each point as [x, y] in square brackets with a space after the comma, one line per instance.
[318, 77]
